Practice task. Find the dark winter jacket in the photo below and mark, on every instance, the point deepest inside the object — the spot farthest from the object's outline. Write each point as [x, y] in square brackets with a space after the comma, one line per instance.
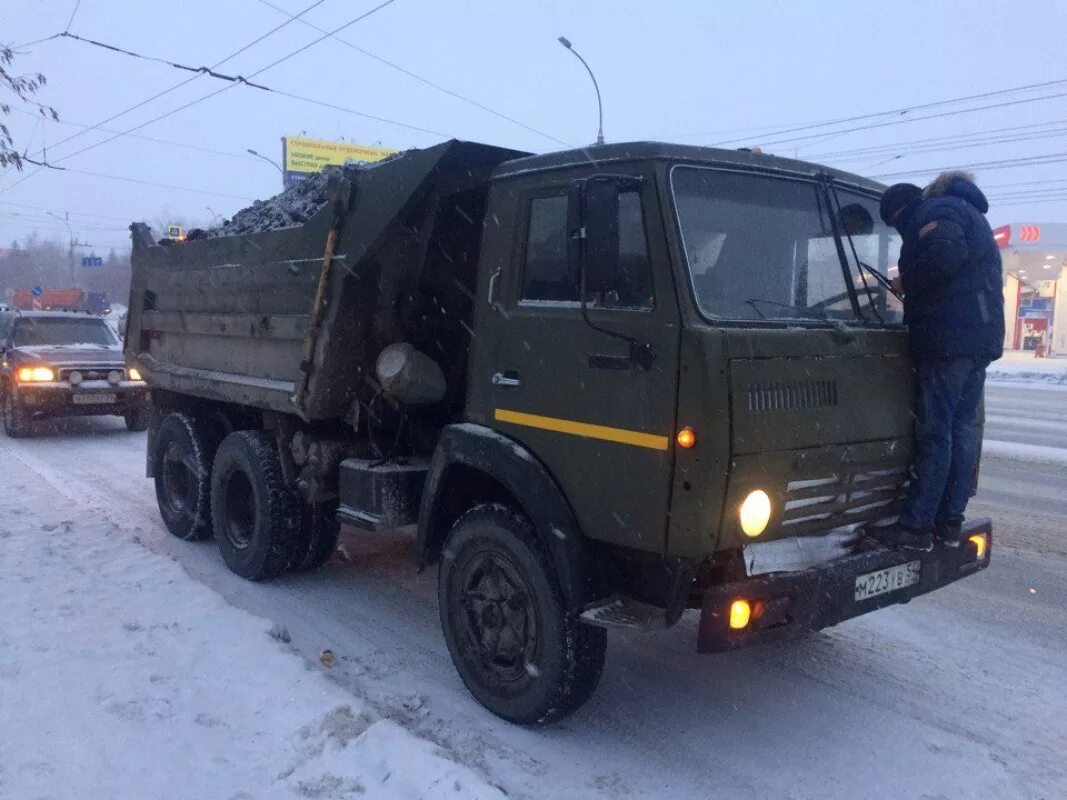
[951, 273]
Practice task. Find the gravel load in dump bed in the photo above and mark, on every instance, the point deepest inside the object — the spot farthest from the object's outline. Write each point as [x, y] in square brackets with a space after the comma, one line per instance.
[292, 207]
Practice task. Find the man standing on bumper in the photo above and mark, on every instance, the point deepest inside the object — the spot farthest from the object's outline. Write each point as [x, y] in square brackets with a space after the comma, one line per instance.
[951, 276]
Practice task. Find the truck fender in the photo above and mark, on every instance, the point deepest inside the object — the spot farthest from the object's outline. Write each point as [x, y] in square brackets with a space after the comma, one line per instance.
[507, 468]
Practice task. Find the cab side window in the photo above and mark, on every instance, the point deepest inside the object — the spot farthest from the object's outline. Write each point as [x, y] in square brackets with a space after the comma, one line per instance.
[5, 328]
[548, 275]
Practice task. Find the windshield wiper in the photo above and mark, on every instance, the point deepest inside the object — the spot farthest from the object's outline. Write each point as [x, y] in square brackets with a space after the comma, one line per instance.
[863, 267]
[836, 325]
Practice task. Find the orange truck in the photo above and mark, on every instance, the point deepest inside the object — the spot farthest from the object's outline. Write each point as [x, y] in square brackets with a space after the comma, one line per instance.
[61, 300]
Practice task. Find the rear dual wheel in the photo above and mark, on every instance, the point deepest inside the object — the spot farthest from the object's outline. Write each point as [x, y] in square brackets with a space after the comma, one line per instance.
[237, 491]
[257, 517]
[184, 448]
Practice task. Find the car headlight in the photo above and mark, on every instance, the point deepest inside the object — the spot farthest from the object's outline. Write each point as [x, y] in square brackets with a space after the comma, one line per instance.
[114, 377]
[755, 513]
[74, 377]
[36, 375]
[134, 374]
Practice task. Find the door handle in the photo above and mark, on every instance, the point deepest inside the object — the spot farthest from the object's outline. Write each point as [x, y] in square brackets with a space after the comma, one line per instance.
[506, 379]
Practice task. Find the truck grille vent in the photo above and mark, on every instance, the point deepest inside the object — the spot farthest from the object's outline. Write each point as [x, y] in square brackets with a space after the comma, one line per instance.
[821, 504]
[791, 396]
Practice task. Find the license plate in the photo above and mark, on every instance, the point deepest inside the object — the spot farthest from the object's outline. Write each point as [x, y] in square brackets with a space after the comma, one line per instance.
[887, 580]
[84, 399]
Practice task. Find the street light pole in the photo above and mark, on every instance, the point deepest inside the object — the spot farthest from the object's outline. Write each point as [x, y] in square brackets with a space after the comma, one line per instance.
[65, 219]
[71, 244]
[563, 40]
[268, 160]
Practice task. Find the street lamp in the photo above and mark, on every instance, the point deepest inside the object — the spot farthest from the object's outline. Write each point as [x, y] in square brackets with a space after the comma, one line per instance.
[563, 40]
[70, 239]
[268, 160]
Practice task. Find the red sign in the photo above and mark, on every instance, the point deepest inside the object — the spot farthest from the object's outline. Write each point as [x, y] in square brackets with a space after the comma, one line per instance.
[1002, 235]
[1029, 233]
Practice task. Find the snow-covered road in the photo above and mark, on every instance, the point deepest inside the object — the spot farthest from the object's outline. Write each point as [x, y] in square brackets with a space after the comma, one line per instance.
[956, 695]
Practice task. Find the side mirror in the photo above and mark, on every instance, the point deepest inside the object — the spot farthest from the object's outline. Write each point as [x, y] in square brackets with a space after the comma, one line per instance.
[594, 222]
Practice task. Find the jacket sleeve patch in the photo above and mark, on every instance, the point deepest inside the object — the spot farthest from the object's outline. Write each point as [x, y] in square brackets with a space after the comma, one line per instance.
[929, 227]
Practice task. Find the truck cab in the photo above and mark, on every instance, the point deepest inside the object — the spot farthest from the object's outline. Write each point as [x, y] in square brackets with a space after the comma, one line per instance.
[701, 350]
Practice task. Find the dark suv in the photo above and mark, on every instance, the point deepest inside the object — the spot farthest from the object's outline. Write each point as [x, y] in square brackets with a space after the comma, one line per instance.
[59, 364]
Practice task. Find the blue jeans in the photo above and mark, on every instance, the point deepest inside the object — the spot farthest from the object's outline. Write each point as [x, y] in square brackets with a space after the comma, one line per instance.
[946, 441]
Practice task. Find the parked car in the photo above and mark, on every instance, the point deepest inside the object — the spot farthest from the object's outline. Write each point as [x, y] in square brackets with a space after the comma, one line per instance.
[61, 364]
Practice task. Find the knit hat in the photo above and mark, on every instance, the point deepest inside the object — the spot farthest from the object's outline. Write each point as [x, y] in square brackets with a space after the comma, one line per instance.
[896, 197]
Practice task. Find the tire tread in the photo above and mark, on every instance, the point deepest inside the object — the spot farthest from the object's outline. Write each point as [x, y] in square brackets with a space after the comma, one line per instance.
[583, 646]
[282, 536]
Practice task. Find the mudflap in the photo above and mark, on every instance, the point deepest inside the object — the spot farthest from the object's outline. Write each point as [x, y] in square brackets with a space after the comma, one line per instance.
[786, 604]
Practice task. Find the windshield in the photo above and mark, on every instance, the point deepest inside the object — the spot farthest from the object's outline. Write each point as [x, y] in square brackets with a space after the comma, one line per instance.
[762, 247]
[61, 331]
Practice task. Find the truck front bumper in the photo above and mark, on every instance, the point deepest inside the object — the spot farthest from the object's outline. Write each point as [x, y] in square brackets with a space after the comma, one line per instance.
[785, 604]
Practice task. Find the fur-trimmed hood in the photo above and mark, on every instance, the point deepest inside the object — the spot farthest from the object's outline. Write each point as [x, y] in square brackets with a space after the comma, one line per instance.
[957, 183]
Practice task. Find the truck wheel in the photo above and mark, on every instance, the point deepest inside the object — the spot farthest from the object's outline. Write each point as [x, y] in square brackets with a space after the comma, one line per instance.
[136, 419]
[514, 645]
[319, 534]
[256, 515]
[16, 419]
[183, 476]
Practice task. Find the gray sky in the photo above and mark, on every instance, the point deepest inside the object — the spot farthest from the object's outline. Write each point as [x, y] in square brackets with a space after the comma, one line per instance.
[687, 71]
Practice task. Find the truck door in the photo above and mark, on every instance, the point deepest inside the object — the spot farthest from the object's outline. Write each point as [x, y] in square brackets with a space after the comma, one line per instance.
[564, 384]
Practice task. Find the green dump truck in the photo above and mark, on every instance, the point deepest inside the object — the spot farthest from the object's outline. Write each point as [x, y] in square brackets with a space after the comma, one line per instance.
[606, 385]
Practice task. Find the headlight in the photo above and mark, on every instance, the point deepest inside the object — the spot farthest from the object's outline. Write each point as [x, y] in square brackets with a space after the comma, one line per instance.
[755, 513]
[135, 375]
[74, 377]
[114, 377]
[36, 375]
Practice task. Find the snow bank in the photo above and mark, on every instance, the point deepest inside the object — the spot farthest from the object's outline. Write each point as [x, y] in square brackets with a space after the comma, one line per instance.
[1021, 367]
[1024, 452]
[121, 677]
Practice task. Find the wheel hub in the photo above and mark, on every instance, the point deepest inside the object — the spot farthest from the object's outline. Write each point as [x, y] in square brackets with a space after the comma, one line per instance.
[499, 621]
[177, 479]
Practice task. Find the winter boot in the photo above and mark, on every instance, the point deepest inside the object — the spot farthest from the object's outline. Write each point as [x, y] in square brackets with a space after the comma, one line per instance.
[904, 538]
[950, 534]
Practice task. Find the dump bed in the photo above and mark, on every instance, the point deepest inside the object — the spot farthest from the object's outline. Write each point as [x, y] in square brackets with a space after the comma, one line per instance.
[228, 318]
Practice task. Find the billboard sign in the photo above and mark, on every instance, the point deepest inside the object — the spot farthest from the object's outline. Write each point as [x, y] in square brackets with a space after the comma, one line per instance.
[303, 157]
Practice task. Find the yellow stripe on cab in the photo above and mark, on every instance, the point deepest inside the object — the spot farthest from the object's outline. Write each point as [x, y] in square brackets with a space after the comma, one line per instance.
[588, 430]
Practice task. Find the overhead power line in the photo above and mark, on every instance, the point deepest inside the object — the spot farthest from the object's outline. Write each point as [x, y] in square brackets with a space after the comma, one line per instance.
[231, 85]
[73, 13]
[905, 147]
[906, 109]
[91, 174]
[1029, 161]
[909, 120]
[153, 139]
[64, 211]
[1024, 183]
[247, 82]
[201, 70]
[167, 91]
[422, 79]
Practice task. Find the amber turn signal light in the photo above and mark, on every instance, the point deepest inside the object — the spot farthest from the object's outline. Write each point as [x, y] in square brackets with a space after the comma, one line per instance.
[687, 437]
[740, 614]
[980, 543]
